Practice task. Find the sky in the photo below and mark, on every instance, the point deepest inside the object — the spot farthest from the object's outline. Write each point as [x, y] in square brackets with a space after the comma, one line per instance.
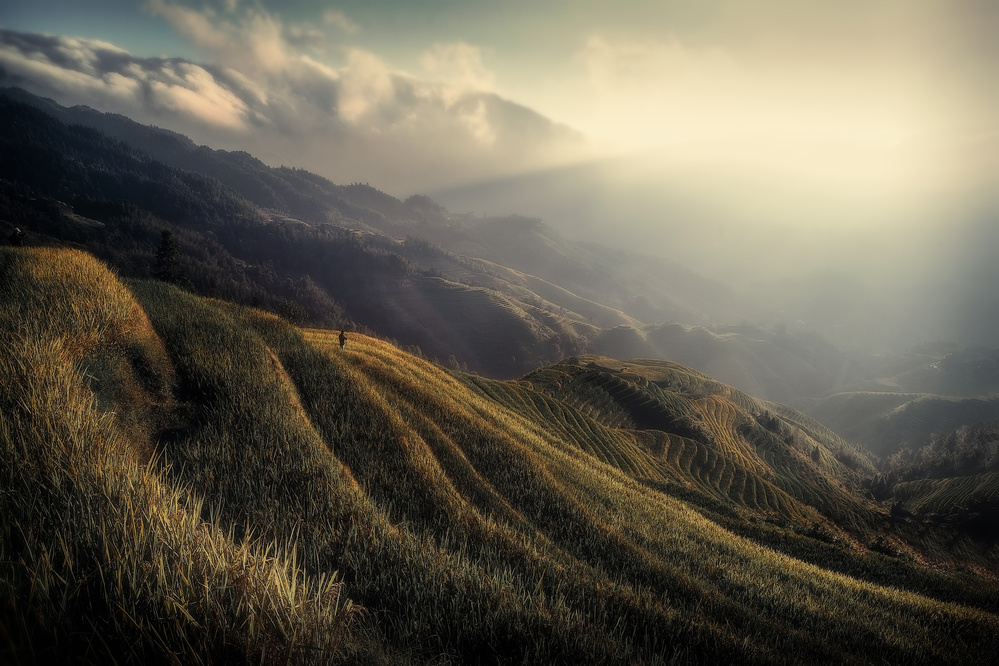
[467, 89]
[804, 135]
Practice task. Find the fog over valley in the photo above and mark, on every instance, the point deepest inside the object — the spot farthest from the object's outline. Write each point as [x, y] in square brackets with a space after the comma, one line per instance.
[877, 258]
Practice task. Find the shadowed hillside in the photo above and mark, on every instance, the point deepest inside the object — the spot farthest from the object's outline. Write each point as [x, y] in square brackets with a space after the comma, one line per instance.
[70, 185]
[886, 422]
[499, 296]
[646, 288]
[188, 478]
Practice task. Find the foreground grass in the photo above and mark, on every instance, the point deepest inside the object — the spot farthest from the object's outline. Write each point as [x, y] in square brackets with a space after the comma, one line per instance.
[102, 556]
[199, 481]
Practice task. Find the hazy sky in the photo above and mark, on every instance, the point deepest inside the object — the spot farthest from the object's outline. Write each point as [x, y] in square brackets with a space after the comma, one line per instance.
[780, 136]
[478, 81]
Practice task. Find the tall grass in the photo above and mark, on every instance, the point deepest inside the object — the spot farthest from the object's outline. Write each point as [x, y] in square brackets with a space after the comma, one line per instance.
[103, 557]
[217, 493]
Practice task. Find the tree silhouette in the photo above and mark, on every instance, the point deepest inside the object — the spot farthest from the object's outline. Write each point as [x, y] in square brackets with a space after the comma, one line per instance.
[168, 266]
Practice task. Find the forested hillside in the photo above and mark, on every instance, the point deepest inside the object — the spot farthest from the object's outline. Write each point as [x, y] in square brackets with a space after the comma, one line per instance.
[72, 185]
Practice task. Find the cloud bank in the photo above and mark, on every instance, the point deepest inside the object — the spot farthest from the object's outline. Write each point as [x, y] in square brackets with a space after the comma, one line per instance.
[264, 87]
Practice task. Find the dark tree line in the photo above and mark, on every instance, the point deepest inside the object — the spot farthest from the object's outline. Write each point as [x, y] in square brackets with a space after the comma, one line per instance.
[967, 450]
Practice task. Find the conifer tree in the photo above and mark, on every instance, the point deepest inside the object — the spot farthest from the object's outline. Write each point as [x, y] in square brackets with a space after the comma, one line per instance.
[168, 266]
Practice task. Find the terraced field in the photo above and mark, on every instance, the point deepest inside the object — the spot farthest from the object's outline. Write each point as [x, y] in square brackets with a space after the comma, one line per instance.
[709, 436]
[187, 479]
[950, 495]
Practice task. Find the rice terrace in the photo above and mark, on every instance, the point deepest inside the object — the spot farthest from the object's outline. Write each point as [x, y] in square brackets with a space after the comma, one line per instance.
[192, 480]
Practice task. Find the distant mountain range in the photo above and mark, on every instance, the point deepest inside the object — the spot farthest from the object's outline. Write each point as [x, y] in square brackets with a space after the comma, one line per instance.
[281, 236]
[495, 295]
[864, 266]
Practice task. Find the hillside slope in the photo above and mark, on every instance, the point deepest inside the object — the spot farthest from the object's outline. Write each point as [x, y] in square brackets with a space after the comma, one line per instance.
[71, 185]
[182, 478]
[885, 422]
[755, 454]
[502, 295]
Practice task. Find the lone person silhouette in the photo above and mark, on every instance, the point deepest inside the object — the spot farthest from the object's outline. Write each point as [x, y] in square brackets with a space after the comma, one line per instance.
[17, 238]
[343, 340]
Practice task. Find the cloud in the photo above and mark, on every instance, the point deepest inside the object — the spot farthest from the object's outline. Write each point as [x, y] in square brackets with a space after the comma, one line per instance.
[195, 92]
[366, 87]
[458, 64]
[264, 87]
[255, 40]
[100, 74]
[338, 19]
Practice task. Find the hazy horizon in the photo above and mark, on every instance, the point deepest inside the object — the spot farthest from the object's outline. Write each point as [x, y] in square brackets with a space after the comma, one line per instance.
[761, 143]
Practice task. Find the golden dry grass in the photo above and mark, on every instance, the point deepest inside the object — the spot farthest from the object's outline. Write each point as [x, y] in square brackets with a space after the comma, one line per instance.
[253, 476]
[103, 555]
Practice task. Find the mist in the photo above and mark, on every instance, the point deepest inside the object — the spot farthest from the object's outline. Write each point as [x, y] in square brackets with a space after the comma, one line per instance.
[834, 164]
[877, 258]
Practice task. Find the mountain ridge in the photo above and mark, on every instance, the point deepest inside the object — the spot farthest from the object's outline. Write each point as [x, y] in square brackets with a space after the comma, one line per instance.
[500, 295]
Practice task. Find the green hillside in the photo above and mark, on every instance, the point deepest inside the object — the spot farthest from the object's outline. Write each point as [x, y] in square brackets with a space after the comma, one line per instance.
[189, 480]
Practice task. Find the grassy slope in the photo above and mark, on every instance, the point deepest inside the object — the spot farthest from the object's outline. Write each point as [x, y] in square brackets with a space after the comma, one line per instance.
[102, 554]
[945, 495]
[727, 444]
[186, 475]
